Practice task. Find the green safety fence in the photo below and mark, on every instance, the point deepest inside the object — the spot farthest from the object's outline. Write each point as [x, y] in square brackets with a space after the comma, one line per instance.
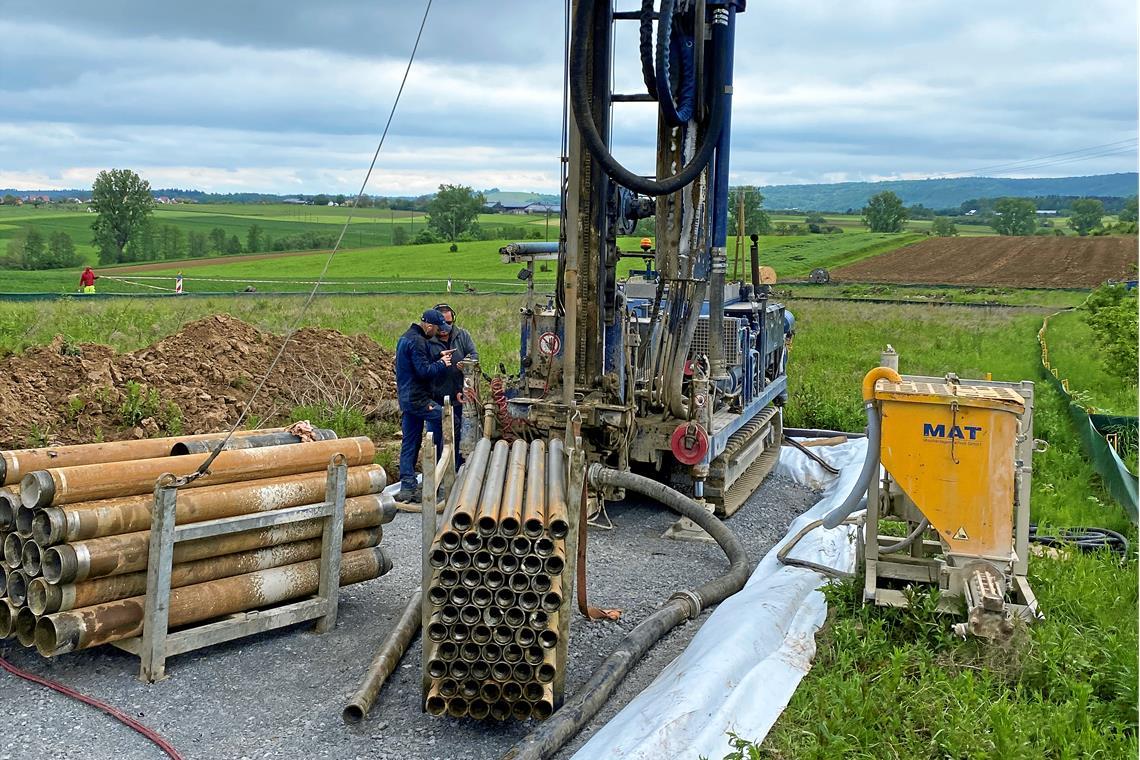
[1100, 434]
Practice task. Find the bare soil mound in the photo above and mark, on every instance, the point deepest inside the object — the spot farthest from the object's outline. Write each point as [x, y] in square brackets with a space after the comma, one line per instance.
[194, 381]
[1025, 262]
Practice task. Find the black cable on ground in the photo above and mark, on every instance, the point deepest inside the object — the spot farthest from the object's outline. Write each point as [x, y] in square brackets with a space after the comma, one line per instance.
[123, 718]
[1083, 539]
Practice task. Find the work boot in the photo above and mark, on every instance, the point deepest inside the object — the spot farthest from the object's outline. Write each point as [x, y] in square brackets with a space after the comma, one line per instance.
[409, 496]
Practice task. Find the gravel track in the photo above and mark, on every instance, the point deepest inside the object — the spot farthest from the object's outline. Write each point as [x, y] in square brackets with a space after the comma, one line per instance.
[279, 695]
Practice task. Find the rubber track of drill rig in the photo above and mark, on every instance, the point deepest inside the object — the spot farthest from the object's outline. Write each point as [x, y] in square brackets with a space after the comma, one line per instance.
[750, 455]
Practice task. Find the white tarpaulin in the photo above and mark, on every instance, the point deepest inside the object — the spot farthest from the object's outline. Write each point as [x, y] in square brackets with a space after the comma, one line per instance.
[743, 666]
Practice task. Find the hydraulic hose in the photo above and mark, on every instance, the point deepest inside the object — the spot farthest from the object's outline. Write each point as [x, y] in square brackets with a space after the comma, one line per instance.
[549, 737]
[584, 117]
[874, 435]
[676, 114]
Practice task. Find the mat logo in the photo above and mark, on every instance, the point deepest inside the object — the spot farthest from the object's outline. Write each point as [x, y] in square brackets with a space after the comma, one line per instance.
[953, 432]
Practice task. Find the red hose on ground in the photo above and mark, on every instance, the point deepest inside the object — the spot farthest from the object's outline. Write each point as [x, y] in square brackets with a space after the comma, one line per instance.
[123, 718]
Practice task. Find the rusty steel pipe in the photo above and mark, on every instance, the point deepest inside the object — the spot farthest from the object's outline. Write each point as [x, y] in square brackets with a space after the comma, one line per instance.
[435, 704]
[25, 627]
[510, 511]
[8, 614]
[127, 514]
[3, 580]
[19, 462]
[45, 598]
[31, 557]
[13, 551]
[465, 505]
[457, 707]
[9, 503]
[557, 520]
[534, 512]
[127, 553]
[68, 485]
[253, 441]
[486, 519]
[69, 631]
[23, 524]
[18, 587]
[385, 661]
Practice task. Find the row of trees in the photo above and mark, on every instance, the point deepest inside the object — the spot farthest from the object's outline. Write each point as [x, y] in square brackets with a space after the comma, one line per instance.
[29, 250]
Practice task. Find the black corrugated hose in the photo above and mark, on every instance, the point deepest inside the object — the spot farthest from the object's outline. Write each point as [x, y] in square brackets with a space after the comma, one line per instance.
[1084, 539]
[584, 117]
[553, 733]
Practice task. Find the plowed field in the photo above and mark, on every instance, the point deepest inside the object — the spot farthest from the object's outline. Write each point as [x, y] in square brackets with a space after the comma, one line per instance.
[1029, 262]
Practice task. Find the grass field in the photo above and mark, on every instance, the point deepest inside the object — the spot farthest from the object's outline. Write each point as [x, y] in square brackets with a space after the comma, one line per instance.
[1072, 351]
[475, 262]
[886, 683]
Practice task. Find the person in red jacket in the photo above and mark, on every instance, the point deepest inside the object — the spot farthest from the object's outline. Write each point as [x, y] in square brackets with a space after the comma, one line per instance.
[87, 280]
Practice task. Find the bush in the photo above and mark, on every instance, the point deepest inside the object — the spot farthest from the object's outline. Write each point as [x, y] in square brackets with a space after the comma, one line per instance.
[1111, 313]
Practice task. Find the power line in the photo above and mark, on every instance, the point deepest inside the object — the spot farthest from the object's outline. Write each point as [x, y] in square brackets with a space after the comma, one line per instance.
[1114, 148]
[204, 467]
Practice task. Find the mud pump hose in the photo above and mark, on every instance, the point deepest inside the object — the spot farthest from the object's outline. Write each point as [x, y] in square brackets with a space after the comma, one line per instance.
[549, 737]
[874, 435]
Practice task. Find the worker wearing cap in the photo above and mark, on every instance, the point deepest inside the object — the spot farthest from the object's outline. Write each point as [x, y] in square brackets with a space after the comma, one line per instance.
[450, 383]
[416, 372]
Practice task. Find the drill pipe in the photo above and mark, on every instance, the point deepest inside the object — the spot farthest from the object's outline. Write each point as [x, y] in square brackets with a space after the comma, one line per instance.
[510, 511]
[8, 614]
[24, 521]
[9, 503]
[127, 514]
[534, 511]
[3, 581]
[25, 626]
[464, 513]
[68, 485]
[486, 518]
[13, 551]
[385, 661]
[64, 632]
[127, 553]
[255, 441]
[556, 519]
[45, 598]
[18, 587]
[31, 557]
[17, 463]
[435, 704]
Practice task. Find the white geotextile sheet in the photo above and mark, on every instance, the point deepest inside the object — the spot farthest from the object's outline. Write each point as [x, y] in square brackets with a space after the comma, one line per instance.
[744, 664]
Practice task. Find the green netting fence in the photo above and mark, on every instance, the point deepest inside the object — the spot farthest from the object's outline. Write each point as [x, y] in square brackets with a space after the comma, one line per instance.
[1101, 434]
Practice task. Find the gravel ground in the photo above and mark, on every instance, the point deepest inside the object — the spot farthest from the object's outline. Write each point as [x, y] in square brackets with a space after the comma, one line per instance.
[280, 694]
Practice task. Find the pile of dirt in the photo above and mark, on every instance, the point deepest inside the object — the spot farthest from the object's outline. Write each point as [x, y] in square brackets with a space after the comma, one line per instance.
[1022, 262]
[195, 381]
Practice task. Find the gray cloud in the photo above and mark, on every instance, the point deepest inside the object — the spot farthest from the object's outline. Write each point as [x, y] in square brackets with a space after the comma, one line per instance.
[290, 97]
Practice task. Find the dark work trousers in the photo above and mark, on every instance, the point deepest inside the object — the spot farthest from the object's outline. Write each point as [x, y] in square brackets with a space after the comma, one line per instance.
[413, 423]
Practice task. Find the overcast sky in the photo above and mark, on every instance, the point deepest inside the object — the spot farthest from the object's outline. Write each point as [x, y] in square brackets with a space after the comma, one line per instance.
[291, 97]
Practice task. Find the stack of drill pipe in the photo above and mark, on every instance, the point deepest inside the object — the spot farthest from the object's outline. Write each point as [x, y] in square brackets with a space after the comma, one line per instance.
[78, 538]
[497, 584]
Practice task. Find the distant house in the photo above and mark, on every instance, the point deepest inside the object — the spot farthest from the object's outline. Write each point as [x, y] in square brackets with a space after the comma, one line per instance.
[1046, 212]
[163, 199]
[530, 207]
[294, 201]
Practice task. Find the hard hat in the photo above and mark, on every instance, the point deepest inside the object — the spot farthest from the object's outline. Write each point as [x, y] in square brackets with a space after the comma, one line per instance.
[646, 244]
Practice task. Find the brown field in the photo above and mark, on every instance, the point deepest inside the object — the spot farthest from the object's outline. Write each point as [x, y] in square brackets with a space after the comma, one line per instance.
[1028, 262]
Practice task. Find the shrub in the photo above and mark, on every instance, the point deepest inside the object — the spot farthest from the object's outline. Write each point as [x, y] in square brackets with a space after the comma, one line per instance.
[1111, 313]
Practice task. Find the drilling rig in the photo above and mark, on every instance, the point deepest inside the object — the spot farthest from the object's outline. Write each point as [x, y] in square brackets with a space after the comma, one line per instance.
[671, 368]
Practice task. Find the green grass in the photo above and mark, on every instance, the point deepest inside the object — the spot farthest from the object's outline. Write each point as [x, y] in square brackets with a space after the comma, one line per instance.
[939, 294]
[893, 683]
[793, 257]
[1072, 352]
[886, 683]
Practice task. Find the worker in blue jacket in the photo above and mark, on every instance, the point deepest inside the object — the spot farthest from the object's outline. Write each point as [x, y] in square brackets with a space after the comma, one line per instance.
[450, 383]
[415, 377]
